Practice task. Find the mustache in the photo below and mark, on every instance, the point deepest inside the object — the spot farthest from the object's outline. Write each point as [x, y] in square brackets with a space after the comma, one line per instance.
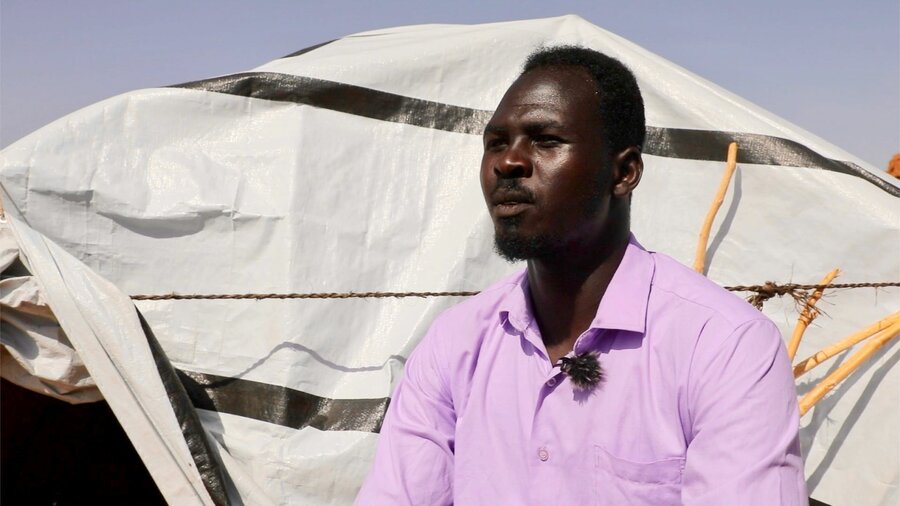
[506, 190]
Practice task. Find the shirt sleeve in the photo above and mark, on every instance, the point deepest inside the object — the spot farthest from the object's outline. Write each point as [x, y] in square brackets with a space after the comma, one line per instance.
[744, 447]
[414, 460]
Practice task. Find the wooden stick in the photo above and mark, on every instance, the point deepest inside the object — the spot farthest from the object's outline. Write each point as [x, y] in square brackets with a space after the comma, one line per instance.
[731, 164]
[808, 314]
[826, 385]
[884, 325]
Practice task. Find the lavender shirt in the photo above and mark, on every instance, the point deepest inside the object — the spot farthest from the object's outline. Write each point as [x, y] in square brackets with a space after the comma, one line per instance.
[697, 405]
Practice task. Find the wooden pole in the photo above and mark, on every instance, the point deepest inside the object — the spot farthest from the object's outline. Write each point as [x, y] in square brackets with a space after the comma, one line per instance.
[826, 385]
[808, 314]
[887, 324]
[731, 164]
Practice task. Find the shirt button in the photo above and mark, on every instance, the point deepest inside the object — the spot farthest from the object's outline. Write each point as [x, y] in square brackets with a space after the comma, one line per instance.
[551, 382]
[543, 454]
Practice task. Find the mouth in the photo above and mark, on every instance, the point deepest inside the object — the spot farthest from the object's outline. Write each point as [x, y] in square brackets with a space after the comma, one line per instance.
[510, 208]
[509, 199]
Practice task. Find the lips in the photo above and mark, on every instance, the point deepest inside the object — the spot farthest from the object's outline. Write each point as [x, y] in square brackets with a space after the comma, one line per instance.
[507, 202]
[509, 209]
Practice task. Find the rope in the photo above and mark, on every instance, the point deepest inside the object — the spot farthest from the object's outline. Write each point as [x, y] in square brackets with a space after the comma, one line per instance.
[800, 293]
[762, 293]
[784, 289]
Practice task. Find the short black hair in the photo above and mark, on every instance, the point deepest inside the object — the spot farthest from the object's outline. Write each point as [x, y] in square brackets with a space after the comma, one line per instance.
[621, 104]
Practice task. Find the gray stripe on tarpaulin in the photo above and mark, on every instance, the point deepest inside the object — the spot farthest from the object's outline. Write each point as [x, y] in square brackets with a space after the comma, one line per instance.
[381, 105]
[281, 405]
[308, 49]
[211, 471]
[754, 148]
[346, 98]
[317, 46]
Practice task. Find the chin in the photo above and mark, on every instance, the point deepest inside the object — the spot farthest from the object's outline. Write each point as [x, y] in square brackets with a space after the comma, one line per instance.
[514, 246]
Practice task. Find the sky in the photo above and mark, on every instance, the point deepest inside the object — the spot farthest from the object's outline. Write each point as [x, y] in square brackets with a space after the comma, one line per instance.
[831, 67]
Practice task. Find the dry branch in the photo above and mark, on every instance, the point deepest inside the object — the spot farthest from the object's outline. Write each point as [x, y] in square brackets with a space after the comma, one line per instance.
[700, 255]
[885, 325]
[808, 314]
[826, 385]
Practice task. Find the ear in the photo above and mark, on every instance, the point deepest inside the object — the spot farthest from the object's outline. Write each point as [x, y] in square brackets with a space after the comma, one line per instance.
[628, 166]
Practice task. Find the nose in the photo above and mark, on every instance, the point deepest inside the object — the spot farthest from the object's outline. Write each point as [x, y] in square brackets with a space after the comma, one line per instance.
[514, 162]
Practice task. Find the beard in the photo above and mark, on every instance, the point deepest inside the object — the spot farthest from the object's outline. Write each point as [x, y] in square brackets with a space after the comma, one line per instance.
[514, 244]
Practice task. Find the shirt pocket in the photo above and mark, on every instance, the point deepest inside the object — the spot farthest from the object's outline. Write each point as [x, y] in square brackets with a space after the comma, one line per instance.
[619, 481]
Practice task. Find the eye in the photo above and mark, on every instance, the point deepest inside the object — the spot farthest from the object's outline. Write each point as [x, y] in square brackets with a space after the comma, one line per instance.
[494, 143]
[547, 141]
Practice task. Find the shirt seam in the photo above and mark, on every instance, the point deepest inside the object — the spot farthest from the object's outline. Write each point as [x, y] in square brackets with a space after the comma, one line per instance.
[722, 344]
[734, 323]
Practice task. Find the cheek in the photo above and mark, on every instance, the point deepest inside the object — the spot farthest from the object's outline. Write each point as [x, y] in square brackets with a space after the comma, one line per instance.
[486, 175]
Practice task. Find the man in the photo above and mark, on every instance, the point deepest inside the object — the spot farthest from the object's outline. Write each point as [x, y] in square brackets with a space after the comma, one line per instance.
[500, 403]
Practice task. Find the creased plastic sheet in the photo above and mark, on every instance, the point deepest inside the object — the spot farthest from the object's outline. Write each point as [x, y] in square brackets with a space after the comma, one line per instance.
[34, 350]
[102, 325]
[353, 167]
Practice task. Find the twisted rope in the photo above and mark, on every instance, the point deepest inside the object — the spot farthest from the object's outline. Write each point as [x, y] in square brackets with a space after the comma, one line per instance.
[799, 292]
[762, 293]
[786, 288]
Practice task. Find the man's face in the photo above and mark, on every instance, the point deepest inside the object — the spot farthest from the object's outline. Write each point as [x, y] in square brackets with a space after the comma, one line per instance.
[545, 173]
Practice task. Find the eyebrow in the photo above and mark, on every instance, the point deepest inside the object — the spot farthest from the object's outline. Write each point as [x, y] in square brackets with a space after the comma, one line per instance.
[530, 127]
[494, 129]
[537, 126]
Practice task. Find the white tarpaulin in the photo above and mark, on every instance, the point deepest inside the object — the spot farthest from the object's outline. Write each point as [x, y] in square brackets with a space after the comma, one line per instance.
[353, 167]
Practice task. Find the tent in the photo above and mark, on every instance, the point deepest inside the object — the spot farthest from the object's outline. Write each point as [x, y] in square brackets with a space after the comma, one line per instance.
[351, 167]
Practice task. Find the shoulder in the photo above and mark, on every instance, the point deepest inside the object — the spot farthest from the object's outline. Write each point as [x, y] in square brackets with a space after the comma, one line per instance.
[483, 308]
[712, 316]
[676, 284]
[455, 339]
[462, 328]
[723, 341]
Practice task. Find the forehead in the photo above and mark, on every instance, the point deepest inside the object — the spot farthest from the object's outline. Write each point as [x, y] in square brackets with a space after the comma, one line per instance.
[567, 94]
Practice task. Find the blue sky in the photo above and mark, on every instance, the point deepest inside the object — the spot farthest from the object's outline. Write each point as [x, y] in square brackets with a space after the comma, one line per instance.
[832, 67]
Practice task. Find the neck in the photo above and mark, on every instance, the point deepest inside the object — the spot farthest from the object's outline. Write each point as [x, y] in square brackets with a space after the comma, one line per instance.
[566, 290]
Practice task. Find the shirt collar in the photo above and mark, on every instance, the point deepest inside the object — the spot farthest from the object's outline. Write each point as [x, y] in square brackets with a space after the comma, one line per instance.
[623, 307]
[515, 308]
